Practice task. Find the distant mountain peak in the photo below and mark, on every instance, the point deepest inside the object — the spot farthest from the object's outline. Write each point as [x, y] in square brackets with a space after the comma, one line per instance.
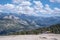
[11, 17]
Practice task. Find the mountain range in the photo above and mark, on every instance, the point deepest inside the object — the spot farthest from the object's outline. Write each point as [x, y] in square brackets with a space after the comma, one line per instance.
[13, 22]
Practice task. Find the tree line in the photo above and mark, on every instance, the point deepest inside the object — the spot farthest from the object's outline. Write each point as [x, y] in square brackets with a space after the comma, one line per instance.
[51, 29]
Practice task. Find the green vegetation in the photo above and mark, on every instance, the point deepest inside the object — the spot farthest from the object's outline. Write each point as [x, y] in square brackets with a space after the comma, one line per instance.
[52, 29]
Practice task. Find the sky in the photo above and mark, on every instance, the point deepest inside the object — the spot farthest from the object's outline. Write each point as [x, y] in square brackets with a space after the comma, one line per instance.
[31, 7]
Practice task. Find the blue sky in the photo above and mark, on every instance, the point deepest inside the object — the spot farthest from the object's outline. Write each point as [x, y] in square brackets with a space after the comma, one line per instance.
[5, 1]
[52, 5]
[39, 6]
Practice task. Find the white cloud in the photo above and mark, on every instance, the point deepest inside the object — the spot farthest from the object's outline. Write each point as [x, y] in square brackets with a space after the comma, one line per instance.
[7, 8]
[18, 1]
[38, 4]
[52, 0]
[57, 10]
[25, 10]
[38, 7]
[24, 6]
[11, 8]
[48, 9]
[1, 7]
[58, 1]
[25, 3]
